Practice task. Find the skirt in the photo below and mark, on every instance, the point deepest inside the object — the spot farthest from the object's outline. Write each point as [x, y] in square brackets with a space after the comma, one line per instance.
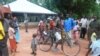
[13, 45]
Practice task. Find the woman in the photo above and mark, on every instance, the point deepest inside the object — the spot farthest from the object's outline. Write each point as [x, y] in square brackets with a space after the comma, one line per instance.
[16, 28]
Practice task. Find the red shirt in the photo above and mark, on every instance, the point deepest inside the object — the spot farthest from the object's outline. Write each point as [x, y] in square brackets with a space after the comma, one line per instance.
[52, 24]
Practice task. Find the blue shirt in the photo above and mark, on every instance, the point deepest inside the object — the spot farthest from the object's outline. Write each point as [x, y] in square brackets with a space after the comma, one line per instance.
[69, 24]
[95, 48]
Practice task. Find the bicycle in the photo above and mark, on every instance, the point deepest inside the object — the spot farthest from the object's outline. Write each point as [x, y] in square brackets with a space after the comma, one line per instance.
[65, 44]
[45, 41]
[74, 48]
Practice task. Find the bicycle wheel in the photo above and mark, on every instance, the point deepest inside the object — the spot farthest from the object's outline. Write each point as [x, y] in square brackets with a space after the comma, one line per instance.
[46, 44]
[69, 50]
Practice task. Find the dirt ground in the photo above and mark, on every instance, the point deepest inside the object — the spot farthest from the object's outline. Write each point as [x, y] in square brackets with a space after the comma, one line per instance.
[24, 47]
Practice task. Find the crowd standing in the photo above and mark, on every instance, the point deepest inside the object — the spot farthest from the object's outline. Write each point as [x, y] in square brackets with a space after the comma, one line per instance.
[76, 29]
[9, 30]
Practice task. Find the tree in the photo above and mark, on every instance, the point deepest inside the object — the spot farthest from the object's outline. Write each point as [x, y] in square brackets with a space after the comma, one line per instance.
[34, 1]
[80, 7]
[97, 11]
[6, 1]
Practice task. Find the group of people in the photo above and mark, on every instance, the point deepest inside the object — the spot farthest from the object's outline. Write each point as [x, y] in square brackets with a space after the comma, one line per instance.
[76, 29]
[9, 30]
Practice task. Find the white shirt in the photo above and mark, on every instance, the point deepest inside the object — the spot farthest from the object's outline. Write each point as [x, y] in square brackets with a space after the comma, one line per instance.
[95, 48]
[84, 22]
[11, 32]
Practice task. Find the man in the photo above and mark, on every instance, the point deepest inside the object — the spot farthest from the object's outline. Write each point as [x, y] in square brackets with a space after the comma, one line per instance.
[3, 43]
[92, 29]
[2, 34]
[52, 24]
[83, 27]
[68, 26]
[95, 46]
[59, 22]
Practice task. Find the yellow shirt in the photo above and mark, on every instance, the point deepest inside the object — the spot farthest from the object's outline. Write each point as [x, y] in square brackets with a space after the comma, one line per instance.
[2, 30]
[93, 36]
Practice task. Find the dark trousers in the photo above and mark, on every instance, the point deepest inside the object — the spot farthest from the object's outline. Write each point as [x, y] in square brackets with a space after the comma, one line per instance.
[4, 51]
[83, 32]
[3, 46]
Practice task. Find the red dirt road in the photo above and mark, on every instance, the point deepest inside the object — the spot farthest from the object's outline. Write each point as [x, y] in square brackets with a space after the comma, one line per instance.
[24, 47]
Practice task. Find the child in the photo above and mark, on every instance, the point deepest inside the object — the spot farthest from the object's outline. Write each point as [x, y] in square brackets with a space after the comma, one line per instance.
[12, 41]
[34, 44]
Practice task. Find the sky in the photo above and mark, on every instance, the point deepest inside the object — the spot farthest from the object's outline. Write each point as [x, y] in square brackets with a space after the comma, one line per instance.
[98, 1]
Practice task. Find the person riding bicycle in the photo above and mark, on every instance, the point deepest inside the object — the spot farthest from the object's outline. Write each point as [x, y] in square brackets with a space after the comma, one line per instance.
[68, 27]
[41, 27]
[52, 24]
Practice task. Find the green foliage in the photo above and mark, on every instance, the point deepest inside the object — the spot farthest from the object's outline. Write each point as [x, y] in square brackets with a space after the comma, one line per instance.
[34, 1]
[6, 1]
[78, 7]
[97, 11]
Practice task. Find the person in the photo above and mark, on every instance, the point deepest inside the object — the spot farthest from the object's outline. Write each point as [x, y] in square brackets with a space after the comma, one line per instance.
[93, 37]
[3, 42]
[47, 22]
[26, 25]
[34, 44]
[12, 40]
[52, 24]
[92, 29]
[2, 34]
[68, 26]
[57, 39]
[52, 29]
[58, 28]
[61, 16]
[76, 32]
[41, 27]
[89, 20]
[16, 28]
[83, 27]
[95, 46]
[59, 23]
